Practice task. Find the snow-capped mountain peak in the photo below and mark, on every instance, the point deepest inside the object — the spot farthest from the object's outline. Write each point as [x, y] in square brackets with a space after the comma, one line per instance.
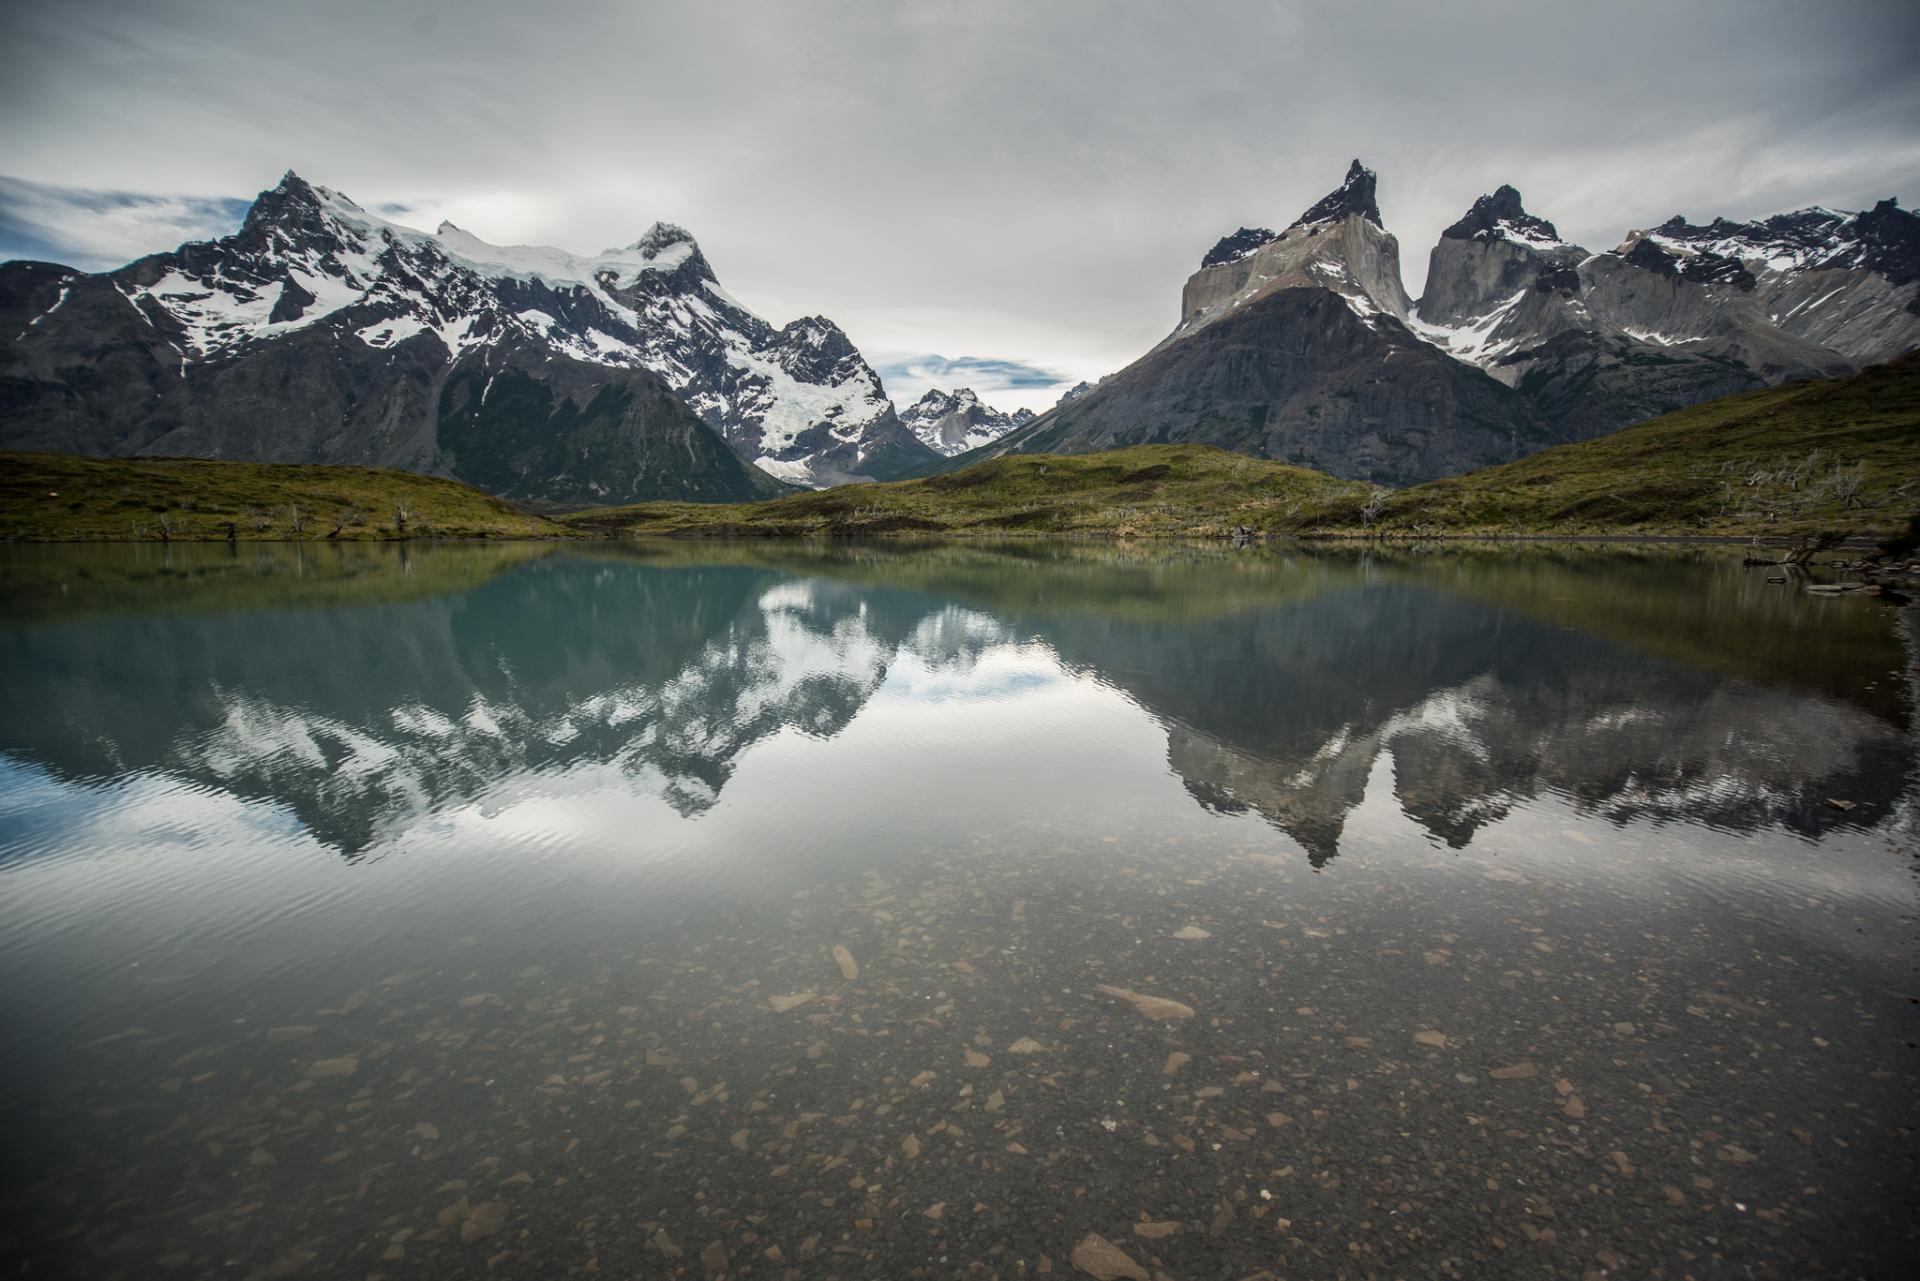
[1501, 216]
[1885, 238]
[951, 423]
[661, 236]
[798, 400]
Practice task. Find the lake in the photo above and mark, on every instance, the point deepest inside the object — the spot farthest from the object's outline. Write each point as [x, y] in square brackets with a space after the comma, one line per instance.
[878, 911]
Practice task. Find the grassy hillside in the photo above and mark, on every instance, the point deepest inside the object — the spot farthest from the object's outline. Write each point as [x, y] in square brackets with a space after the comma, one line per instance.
[1147, 491]
[65, 498]
[1837, 455]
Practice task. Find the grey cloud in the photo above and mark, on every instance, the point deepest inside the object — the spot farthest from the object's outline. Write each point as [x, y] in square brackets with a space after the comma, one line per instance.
[1029, 181]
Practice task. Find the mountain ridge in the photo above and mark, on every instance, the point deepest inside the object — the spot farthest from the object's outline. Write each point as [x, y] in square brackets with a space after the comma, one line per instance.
[1586, 342]
[399, 311]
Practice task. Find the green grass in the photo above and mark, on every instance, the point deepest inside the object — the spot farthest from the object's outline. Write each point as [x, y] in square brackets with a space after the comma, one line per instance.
[1151, 491]
[66, 498]
[1838, 455]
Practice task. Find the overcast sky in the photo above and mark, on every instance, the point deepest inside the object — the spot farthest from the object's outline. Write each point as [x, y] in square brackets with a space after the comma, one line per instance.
[1007, 194]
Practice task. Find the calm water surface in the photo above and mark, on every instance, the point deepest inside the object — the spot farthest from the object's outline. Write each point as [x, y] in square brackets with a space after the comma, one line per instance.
[786, 911]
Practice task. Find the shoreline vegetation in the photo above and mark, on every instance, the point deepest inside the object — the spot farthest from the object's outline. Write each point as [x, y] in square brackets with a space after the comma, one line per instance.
[1831, 460]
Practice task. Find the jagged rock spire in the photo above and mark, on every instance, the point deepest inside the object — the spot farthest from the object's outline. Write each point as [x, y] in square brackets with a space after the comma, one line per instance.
[1354, 196]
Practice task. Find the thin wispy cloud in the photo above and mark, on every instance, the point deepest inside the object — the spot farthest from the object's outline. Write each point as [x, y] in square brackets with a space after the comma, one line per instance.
[1004, 384]
[97, 230]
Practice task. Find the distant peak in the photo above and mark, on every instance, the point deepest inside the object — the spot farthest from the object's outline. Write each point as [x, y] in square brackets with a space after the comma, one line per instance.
[935, 398]
[1241, 244]
[662, 236]
[447, 228]
[1501, 216]
[1356, 195]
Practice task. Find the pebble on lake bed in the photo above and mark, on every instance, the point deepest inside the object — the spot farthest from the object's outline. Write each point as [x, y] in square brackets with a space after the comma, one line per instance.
[1153, 1008]
[844, 959]
[1100, 1258]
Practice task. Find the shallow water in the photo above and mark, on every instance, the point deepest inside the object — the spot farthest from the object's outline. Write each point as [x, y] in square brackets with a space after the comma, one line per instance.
[793, 911]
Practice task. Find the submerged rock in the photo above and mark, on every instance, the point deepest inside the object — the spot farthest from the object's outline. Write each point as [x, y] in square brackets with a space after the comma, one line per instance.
[1148, 1007]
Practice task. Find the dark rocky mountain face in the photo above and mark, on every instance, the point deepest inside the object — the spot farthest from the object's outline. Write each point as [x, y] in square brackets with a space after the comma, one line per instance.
[1354, 198]
[1300, 376]
[1889, 239]
[320, 332]
[1240, 244]
[1303, 346]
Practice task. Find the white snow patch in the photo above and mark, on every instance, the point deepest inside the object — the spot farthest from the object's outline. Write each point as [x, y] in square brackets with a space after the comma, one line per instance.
[1655, 337]
[388, 333]
[798, 472]
[1471, 343]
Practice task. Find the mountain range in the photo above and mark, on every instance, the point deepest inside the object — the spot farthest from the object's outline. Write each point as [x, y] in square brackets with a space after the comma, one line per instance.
[323, 332]
[1303, 346]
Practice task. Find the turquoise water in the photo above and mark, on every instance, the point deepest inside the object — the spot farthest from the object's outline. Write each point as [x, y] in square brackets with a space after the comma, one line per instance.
[435, 910]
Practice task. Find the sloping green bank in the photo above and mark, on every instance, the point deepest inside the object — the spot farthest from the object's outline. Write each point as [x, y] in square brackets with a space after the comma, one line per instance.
[66, 498]
[1839, 455]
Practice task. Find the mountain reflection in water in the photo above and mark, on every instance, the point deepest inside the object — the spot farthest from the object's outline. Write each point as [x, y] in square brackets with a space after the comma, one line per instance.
[1668, 686]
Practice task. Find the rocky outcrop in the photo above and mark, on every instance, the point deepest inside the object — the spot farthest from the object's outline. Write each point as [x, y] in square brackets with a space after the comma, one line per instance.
[1338, 244]
[1241, 244]
[1296, 348]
